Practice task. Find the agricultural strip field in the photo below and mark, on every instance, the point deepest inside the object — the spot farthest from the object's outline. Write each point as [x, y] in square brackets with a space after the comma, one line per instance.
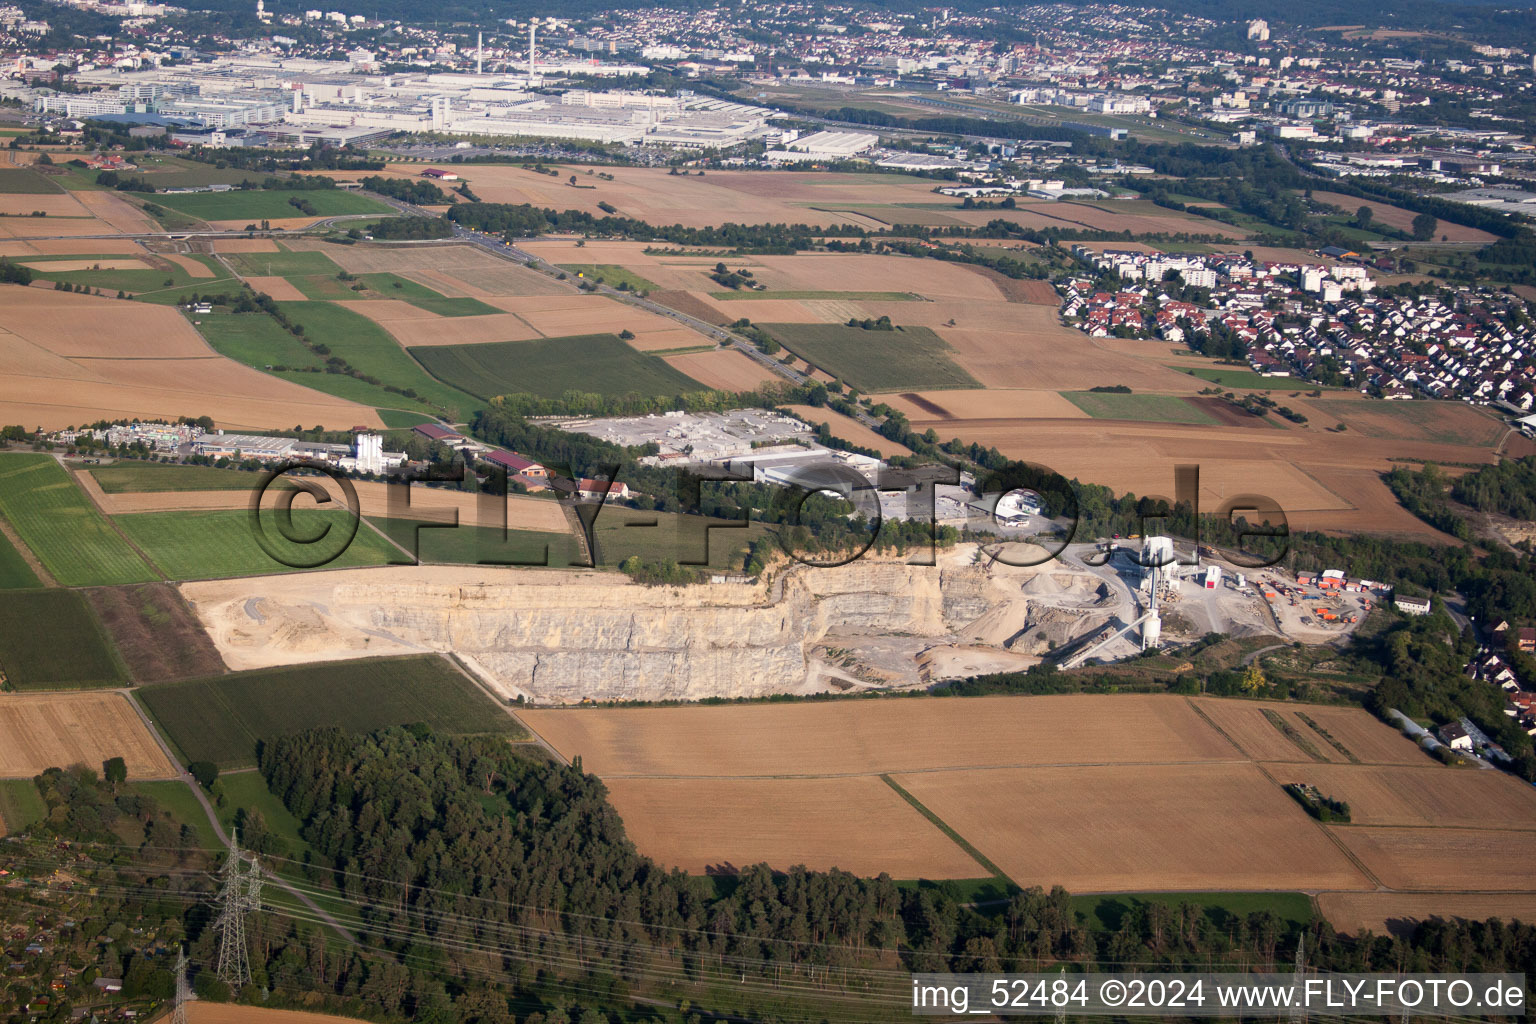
[906, 358]
[821, 823]
[1393, 913]
[610, 274]
[222, 719]
[266, 204]
[393, 286]
[41, 731]
[155, 632]
[24, 181]
[1138, 828]
[1145, 408]
[129, 477]
[51, 640]
[594, 363]
[480, 545]
[202, 1012]
[15, 573]
[1422, 796]
[56, 521]
[219, 543]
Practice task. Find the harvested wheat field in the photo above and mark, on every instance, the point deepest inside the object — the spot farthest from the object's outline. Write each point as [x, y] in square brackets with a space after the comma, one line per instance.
[1137, 828]
[244, 245]
[31, 227]
[66, 266]
[40, 731]
[1399, 913]
[717, 826]
[988, 403]
[1397, 217]
[1422, 796]
[723, 370]
[279, 288]
[1246, 725]
[116, 212]
[190, 265]
[54, 204]
[373, 498]
[16, 249]
[58, 367]
[850, 429]
[426, 329]
[880, 736]
[199, 1012]
[1452, 859]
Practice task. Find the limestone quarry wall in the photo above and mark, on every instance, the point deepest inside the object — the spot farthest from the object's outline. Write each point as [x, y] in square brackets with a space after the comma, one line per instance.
[556, 636]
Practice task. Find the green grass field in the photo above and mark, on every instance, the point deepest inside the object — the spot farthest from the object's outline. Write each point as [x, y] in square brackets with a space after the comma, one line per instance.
[610, 274]
[176, 800]
[621, 532]
[400, 418]
[474, 545]
[792, 294]
[138, 477]
[372, 351]
[21, 181]
[221, 720]
[283, 264]
[1100, 913]
[52, 640]
[214, 544]
[1246, 379]
[594, 363]
[393, 286]
[21, 806]
[254, 339]
[15, 573]
[263, 204]
[248, 792]
[62, 528]
[1141, 408]
[908, 357]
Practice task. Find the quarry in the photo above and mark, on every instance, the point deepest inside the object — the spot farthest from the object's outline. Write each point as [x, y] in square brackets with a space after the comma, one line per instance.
[569, 636]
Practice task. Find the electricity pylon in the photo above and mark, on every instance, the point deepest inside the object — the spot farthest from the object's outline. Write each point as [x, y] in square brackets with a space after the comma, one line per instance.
[239, 894]
[183, 989]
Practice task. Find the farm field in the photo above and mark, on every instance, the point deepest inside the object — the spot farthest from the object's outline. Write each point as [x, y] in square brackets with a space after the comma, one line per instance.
[1422, 796]
[1384, 913]
[1142, 827]
[72, 540]
[1134, 794]
[155, 633]
[51, 640]
[221, 719]
[873, 737]
[15, 572]
[370, 350]
[906, 358]
[20, 805]
[24, 181]
[715, 826]
[611, 274]
[849, 429]
[598, 363]
[218, 543]
[63, 370]
[723, 370]
[481, 545]
[1397, 217]
[1143, 408]
[267, 204]
[129, 477]
[41, 731]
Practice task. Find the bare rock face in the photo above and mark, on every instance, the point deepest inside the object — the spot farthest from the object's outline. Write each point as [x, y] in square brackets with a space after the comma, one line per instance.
[562, 637]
